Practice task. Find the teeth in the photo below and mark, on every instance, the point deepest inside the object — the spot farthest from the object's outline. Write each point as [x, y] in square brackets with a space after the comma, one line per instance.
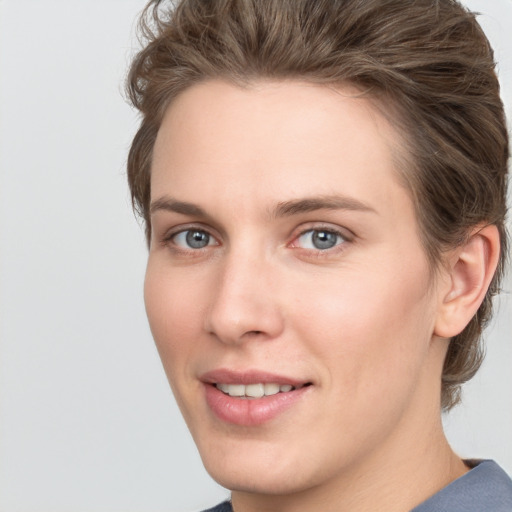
[258, 390]
[255, 390]
[271, 389]
[236, 389]
[223, 388]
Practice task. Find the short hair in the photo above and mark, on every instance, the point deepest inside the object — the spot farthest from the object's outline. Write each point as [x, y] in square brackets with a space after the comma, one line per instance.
[426, 64]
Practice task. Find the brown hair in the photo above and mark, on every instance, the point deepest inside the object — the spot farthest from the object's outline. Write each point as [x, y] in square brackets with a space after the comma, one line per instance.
[427, 63]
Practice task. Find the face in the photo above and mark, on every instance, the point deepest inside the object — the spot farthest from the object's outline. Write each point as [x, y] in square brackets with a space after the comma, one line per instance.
[287, 289]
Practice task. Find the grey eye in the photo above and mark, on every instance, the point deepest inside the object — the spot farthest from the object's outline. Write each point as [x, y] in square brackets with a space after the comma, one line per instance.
[193, 239]
[319, 239]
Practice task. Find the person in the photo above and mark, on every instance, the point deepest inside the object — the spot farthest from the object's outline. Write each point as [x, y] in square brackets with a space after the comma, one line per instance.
[323, 186]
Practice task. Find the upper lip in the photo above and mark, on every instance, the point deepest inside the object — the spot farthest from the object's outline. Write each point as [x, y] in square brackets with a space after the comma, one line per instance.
[228, 376]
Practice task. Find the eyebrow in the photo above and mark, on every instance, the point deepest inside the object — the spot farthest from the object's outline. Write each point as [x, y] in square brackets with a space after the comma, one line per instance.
[169, 204]
[282, 209]
[311, 204]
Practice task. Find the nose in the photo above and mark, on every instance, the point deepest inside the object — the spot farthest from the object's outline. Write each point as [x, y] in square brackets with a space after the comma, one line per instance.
[245, 302]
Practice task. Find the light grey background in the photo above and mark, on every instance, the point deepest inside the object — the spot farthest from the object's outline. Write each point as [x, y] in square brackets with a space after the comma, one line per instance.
[87, 422]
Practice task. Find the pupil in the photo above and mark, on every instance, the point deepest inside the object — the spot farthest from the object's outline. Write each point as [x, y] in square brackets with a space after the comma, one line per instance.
[197, 239]
[324, 239]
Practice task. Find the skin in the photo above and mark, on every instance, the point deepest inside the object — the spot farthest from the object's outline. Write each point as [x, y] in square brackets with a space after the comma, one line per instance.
[364, 321]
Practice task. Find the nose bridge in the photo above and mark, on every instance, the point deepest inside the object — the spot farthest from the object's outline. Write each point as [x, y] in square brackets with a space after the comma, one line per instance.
[244, 304]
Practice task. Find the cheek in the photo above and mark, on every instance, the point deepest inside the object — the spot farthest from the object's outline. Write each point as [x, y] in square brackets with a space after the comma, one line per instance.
[372, 328]
[175, 315]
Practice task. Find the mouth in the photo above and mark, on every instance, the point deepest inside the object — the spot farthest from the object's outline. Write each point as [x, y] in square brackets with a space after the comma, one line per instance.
[257, 390]
[252, 398]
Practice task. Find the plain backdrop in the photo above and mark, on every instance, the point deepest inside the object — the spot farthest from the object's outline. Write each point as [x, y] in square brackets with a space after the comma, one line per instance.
[87, 422]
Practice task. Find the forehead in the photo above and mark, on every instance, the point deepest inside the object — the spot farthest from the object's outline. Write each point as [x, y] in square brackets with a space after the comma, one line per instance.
[274, 141]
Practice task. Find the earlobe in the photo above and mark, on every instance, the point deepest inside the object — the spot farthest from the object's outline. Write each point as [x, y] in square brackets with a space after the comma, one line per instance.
[470, 272]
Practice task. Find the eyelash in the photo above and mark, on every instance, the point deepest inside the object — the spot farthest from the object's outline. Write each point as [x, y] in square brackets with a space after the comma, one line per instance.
[341, 239]
[169, 240]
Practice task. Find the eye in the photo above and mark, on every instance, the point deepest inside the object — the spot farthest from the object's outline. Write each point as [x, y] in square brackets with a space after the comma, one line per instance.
[193, 239]
[319, 239]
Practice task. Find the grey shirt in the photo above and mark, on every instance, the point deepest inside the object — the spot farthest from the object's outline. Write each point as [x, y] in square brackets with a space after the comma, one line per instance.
[485, 488]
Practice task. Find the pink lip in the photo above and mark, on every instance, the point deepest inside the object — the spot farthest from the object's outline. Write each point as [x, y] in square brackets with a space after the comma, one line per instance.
[249, 411]
[226, 376]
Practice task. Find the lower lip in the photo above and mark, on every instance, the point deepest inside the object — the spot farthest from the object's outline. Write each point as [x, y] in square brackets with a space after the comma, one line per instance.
[250, 411]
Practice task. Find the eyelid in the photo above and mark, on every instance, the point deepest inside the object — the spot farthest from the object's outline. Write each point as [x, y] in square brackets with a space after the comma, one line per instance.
[167, 237]
[346, 234]
[177, 239]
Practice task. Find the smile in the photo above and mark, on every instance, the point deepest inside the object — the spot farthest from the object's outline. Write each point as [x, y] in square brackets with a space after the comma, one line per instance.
[252, 398]
[258, 390]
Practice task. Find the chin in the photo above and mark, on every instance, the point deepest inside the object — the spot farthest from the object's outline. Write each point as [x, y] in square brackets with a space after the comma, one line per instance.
[259, 467]
[258, 481]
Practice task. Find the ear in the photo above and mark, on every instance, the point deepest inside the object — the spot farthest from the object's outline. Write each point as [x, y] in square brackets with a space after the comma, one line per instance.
[469, 272]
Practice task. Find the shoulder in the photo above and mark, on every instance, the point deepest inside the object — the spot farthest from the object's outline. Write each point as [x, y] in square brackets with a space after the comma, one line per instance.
[221, 507]
[485, 487]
